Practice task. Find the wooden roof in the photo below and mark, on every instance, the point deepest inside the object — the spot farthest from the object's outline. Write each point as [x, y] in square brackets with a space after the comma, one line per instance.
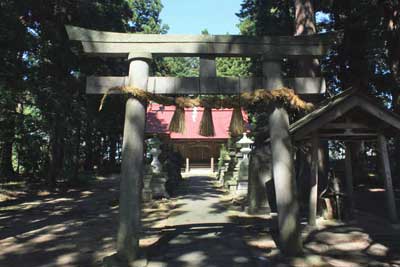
[159, 117]
[348, 115]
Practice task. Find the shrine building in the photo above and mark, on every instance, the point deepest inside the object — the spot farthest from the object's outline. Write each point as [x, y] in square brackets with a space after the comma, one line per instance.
[199, 150]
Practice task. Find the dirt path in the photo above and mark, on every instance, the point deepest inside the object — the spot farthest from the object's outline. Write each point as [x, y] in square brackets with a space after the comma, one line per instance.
[200, 232]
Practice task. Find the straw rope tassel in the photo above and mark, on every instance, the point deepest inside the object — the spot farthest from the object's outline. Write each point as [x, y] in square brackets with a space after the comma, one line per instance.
[207, 124]
[237, 125]
[177, 124]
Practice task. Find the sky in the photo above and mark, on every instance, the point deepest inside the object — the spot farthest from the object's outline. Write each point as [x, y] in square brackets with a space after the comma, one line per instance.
[193, 16]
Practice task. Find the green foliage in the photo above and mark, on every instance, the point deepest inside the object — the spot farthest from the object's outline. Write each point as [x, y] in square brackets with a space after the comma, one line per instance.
[146, 16]
[190, 66]
[367, 57]
[181, 67]
[233, 67]
[274, 17]
[49, 127]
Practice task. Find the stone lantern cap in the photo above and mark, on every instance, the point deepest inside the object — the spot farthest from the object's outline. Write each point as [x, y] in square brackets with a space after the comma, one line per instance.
[154, 142]
[245, 141]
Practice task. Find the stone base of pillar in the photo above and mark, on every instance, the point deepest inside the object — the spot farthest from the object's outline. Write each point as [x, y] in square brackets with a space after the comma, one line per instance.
[228, 177]
[258, 211]
[243, 177]
[147, 193]
[158, 185]
[242, 188]
[115, 261]
[222, 172]
[232, 186]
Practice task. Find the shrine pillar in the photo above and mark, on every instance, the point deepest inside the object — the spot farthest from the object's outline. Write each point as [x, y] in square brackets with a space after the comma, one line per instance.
[283, 165]
[132, 163]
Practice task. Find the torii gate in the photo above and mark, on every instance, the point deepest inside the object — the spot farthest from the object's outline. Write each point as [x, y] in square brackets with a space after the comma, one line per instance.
[139, 49]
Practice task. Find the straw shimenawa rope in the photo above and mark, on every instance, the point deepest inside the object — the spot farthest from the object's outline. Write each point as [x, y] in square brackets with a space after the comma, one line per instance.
[246, 99]
[260, 96]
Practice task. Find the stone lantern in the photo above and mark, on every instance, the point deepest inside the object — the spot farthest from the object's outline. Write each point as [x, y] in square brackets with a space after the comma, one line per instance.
[243, 174]
[155, 182]
[245, 143]
[155, 151]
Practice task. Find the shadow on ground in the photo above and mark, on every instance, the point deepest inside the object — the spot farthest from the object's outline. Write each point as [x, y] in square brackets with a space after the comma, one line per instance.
[72, 228]
[77, 228]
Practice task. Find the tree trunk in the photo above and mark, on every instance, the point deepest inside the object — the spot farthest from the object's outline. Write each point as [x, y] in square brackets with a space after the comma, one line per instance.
[352, 52]
[76, 154]
[6, 168]
[56, 154]
[88, 166]
[305, 25]
[113, 152]
[392, 17]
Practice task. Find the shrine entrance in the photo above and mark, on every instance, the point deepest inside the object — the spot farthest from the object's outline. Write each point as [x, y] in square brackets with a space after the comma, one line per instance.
[139, 50]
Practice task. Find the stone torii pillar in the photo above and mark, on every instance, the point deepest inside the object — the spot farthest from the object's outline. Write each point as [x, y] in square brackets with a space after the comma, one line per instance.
[283, 166]
[132, 167]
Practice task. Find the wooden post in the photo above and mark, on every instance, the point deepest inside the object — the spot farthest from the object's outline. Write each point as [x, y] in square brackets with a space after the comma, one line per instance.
[212, 164]
[283, 167]
[323, 165]
[313, 204]
[390, 199]
[187, 165]
[132, 164]
[349, 182]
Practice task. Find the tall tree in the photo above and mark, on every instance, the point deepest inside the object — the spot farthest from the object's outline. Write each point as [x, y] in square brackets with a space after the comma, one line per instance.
[258, 17]
[42, 82]
[304, 24]
[15, 42]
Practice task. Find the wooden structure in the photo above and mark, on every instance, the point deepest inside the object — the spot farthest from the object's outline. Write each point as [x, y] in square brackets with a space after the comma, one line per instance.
[197, 149]
[349, 116]
[139, 50]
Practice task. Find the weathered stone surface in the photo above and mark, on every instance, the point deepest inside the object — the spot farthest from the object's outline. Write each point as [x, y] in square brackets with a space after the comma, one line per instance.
[260, 174]
[131, 179]
[285, 183]
[158, 185]
[147, 193]
[120, 44]
[208, 85]
[283, 169]
[132, 167]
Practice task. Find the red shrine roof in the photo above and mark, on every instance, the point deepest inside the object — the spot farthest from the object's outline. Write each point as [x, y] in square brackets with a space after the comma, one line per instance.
[159, 117]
